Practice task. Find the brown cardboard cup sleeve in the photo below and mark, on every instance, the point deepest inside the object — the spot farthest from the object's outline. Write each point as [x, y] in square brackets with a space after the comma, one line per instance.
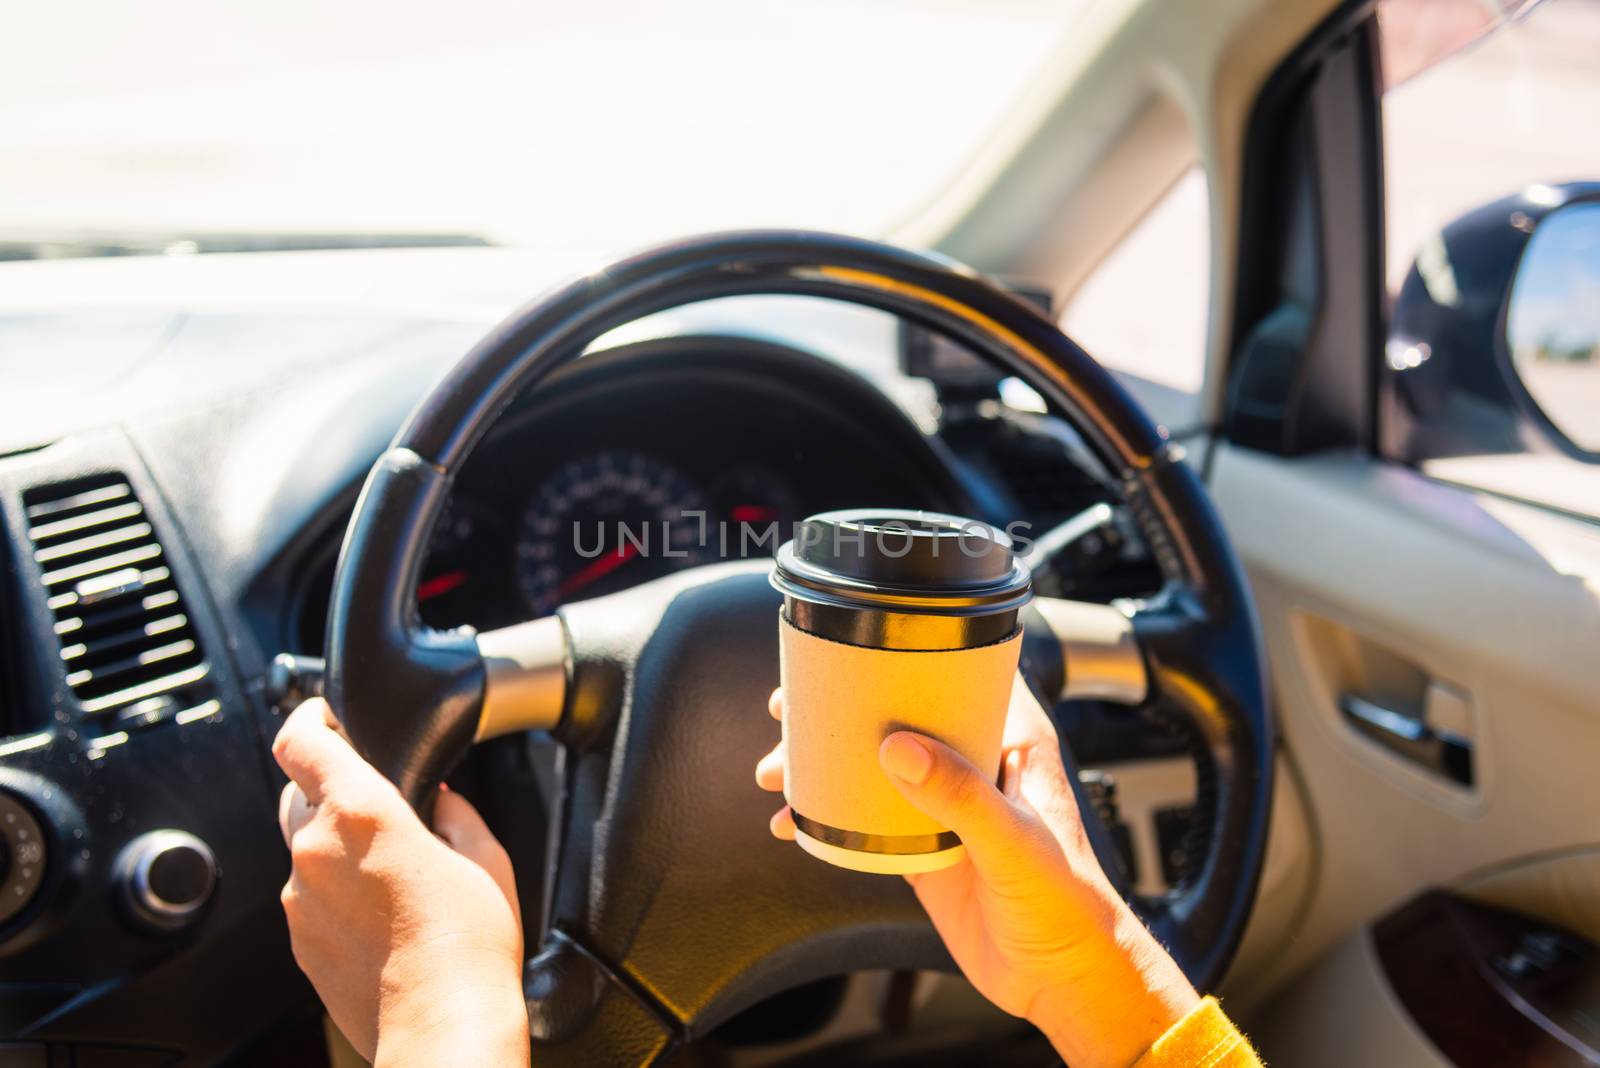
[842, 700]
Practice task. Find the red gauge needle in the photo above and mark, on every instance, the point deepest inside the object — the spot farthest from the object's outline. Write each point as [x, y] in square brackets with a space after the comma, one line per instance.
[597, 570]
[440, 584]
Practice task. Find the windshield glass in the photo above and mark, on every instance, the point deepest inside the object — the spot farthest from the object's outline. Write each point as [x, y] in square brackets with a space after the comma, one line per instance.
[601, 124]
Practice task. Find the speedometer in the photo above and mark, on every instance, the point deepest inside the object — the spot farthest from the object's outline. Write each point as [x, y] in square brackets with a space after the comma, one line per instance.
[604, 523]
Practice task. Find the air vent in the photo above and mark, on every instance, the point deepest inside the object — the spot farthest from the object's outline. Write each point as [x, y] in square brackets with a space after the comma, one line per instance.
[127, 644]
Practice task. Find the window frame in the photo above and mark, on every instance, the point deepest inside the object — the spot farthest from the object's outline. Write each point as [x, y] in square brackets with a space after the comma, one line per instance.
[1310, 246]
[1311, 240]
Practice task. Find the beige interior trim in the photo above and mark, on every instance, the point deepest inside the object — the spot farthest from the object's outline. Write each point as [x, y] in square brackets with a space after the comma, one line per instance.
[1141, 162]
[1541, 478]
[1090, 148]
[1341, 1013]
[1560, 888]
[1335, 666]
[1484, 596]
[1283, 895]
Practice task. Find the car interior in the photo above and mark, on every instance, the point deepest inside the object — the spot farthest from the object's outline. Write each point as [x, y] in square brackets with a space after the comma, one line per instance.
[1272, 324]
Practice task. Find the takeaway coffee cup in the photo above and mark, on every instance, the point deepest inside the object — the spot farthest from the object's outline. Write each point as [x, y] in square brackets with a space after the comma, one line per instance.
[892, 620]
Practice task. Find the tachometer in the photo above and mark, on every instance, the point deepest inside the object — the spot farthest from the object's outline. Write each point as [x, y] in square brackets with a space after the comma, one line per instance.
[756, 501]
[604, 523]
[451, 588]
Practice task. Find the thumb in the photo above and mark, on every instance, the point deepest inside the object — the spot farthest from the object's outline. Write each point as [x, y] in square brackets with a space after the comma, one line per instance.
[458, 823]
[943, 784]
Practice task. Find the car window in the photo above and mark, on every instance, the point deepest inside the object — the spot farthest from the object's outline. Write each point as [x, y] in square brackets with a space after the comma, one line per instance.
[1142, 312]
[1492, 174]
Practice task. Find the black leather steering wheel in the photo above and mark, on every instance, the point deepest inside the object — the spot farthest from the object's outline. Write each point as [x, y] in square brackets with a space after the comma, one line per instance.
[672, 908]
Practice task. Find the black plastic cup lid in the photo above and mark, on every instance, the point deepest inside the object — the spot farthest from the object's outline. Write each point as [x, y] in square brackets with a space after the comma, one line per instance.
[903, 561]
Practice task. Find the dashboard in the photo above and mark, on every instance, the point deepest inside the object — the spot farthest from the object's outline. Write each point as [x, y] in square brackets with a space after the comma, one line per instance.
[170, 517]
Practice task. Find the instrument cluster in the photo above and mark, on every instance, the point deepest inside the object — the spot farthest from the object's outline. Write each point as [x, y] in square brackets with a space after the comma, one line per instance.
[638, 462]
[598, 523]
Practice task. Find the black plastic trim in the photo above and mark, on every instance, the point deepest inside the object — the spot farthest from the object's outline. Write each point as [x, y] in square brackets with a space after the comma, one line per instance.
[1308, 303]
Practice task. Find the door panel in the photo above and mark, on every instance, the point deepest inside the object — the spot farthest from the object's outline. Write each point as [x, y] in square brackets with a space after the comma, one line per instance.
[1468, 614]
[1559, 887]
[1342, 1013]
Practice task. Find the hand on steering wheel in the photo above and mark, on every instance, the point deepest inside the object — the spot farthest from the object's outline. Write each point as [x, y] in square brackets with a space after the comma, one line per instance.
[410, 936]
[1028, 915]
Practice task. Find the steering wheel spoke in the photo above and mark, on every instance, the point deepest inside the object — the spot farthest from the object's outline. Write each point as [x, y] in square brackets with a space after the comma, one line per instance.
[526, 669]
[1098, 649]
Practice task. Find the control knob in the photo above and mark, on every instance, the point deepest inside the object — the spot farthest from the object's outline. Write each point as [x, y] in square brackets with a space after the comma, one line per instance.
[167, 878]
[22, 857]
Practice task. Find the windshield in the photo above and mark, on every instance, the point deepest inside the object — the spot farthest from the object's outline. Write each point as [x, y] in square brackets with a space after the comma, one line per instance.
[598, 125]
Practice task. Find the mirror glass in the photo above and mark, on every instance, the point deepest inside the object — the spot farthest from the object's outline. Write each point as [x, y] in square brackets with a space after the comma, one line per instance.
[1553, 321]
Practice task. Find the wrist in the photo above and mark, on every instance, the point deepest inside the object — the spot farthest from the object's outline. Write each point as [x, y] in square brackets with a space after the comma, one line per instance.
[1118, 995]
[475, 1023]
[452, 1000]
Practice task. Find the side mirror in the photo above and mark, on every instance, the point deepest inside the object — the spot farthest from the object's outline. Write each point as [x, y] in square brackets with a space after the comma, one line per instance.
[1553, 321]
[1493, 335]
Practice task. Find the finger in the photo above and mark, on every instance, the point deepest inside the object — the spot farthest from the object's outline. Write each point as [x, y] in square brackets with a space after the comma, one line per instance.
[782, 824]
[943, 784]
[1027, 723]
[1011, 769]
[294, 812]
[769, 769]
[775, 704]
[457, 822]
[1043, 783]
[314, 755]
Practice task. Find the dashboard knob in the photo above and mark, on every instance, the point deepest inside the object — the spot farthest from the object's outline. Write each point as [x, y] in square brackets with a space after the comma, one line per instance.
[22, 857]
[167, 878]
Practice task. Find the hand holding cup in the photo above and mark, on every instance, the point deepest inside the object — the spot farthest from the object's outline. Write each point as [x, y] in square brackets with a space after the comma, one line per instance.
[1027, 912]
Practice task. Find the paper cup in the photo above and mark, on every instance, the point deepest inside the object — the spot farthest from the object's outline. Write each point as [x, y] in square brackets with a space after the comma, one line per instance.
[914, 634]
[842, 701]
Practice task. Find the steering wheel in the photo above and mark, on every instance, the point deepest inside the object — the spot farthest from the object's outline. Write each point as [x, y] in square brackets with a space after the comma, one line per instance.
[672, 907]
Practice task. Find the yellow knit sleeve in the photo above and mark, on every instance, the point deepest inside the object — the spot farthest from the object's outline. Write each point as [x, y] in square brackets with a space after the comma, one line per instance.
[1204, 1038]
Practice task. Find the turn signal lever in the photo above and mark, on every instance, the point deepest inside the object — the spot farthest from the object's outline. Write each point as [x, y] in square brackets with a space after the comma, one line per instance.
[1075, 551]
[1080, 649]
[292, 679]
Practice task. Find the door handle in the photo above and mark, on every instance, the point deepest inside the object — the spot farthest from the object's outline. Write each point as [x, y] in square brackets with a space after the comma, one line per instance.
[1440, 752]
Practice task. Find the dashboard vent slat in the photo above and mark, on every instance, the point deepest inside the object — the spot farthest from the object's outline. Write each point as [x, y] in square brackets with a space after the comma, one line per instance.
[86, 521]
[89, 647]
[123, 632]
[93, 542]
[78, 502]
